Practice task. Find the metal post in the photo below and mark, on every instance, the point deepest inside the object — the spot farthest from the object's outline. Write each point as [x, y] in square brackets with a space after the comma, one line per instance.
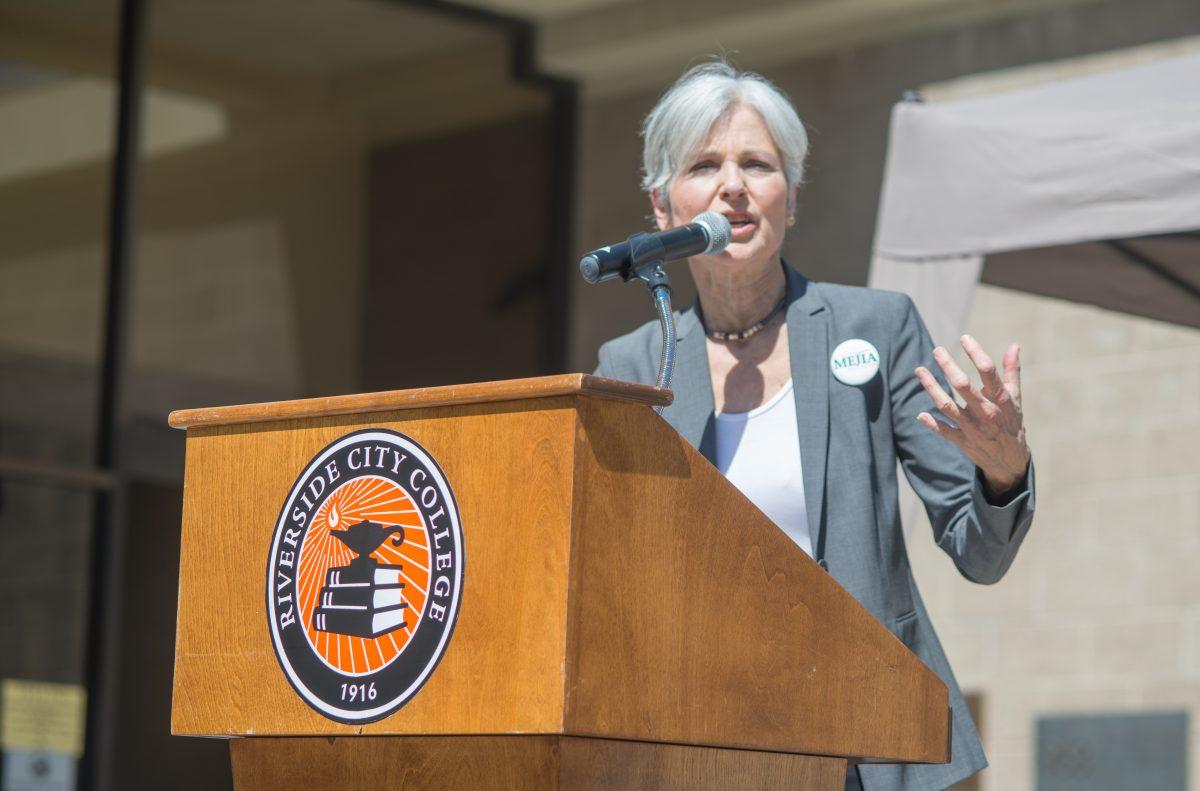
[659, 287]
[108, 528]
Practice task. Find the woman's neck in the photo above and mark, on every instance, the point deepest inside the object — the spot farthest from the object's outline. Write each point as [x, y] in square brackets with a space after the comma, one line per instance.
[735, 296]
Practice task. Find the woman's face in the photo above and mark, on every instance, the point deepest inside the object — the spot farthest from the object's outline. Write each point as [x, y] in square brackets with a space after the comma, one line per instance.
[739, 173]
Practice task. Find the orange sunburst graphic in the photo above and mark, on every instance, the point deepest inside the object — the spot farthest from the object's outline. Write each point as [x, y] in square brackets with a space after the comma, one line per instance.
[376, 499]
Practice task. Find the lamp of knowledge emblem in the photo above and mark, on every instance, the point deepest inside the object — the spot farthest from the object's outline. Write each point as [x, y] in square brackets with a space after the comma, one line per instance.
[365, 575]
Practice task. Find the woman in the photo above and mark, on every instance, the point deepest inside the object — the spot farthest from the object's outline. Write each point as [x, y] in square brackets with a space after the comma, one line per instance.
[807, 394]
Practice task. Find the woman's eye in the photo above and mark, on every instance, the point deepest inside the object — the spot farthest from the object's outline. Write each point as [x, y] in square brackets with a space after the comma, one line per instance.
[702, 166]
[758, 165]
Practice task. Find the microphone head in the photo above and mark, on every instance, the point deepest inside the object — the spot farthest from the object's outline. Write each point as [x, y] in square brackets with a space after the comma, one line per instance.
[589, 267]
[718, 229]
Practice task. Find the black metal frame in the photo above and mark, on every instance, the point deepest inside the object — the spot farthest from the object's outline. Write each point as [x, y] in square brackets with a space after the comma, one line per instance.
[1134, 256]
[108, 524]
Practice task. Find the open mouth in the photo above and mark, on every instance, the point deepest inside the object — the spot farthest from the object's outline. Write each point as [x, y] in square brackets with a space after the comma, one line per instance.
[741, 225]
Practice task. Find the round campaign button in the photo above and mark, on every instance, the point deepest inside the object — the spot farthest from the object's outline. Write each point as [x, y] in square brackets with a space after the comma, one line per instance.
[854, 362]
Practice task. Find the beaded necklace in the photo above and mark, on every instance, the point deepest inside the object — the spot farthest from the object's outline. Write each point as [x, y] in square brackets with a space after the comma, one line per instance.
[740, 335]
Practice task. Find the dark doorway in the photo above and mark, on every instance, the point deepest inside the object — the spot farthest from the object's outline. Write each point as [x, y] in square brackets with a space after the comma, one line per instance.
[456, 257]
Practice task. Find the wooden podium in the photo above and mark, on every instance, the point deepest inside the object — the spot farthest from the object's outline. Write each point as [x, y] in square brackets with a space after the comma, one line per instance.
[628, 619]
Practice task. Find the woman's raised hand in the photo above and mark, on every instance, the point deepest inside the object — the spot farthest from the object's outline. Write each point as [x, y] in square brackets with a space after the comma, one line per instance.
[988, 426]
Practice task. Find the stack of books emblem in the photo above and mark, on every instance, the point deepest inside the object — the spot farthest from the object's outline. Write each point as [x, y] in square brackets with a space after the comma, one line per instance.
[366, 597]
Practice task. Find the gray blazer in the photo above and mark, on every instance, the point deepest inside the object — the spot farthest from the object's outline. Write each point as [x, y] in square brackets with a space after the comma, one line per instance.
[850, 440]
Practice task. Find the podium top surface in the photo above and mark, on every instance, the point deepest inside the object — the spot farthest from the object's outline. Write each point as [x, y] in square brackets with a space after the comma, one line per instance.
[447, 395]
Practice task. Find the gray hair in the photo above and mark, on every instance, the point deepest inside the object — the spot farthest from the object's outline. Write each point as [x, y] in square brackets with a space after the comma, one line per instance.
[680, 122]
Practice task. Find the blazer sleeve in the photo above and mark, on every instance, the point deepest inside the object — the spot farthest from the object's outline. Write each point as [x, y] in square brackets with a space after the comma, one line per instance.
[981, 538]
[615, 361]
[603, 363]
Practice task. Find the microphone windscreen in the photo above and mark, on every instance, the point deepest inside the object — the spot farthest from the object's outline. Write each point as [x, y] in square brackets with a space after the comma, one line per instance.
[589, 267]
[719, 230]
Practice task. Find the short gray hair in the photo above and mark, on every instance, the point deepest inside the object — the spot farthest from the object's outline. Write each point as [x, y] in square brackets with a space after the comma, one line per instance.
[680, 122]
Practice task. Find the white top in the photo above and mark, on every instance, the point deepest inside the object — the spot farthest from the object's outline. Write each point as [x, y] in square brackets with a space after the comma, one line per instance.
[759, 452]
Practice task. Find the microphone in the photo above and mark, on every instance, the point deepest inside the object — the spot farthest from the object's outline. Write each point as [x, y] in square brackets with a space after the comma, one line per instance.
[707, 234]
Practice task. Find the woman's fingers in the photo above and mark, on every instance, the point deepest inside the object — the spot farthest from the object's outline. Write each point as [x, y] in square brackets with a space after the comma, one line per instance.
[993, 385]
[945, 404]
[944, 430]
[1012, 372]
[988, 429]
[957, 379]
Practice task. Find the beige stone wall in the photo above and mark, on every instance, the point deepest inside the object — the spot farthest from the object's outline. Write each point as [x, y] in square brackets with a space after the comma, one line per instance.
[1101, 610]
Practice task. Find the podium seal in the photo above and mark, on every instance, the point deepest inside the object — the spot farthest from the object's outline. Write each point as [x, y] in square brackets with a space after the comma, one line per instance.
[364, 578]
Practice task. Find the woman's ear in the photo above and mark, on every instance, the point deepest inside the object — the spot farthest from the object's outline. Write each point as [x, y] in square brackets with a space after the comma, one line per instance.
[793, 197]
[662, 213]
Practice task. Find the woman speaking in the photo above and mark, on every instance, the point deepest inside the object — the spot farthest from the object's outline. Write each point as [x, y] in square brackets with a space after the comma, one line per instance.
[805, 395]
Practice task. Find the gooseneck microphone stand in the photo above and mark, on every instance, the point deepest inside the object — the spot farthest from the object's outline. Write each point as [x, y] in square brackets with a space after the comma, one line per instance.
[659, 287]
[650, 271]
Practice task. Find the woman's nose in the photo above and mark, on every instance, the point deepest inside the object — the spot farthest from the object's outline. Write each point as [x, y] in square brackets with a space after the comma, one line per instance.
[732, 185]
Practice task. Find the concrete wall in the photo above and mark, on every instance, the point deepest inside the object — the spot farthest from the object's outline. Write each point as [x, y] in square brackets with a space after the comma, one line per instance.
[1101, 610]
[845, 100]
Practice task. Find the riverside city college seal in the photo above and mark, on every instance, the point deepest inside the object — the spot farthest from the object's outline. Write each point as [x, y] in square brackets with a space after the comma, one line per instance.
[365, 575]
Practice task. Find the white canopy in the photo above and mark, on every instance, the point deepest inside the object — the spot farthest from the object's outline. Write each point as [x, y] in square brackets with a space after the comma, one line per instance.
[1106, 156]
[1062, 186]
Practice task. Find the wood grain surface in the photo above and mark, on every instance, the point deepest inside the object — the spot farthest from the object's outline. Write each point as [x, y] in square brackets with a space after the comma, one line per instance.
[449, 395]
[694, 619]
[509, 466]
[368, 764]
[613, 764]
[514, 763]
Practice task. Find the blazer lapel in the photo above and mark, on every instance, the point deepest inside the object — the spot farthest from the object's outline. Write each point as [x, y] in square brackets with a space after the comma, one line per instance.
[691, 413]
[808, 347]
